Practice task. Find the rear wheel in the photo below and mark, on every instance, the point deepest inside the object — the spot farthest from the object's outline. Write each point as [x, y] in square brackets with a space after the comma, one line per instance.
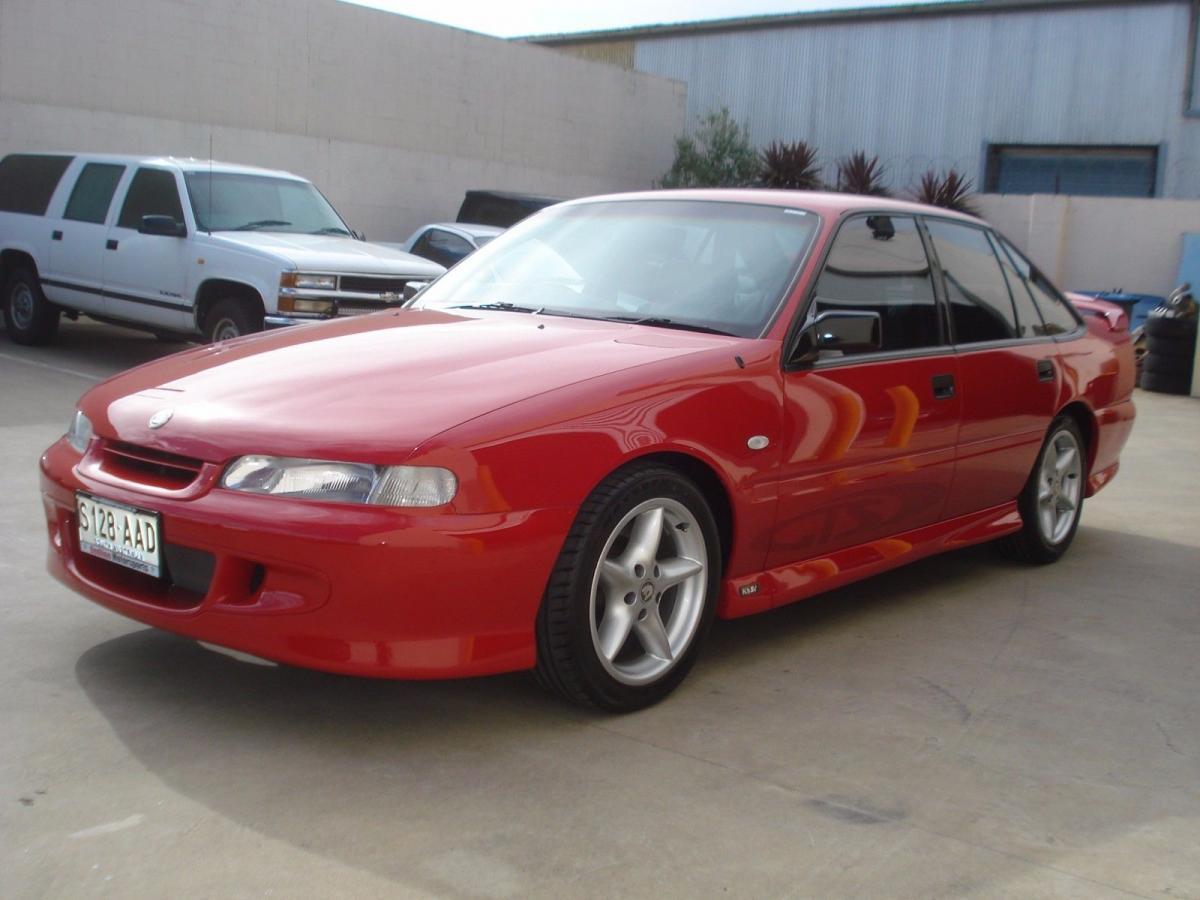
[29, 317]
[633, 593]
[231, 318]
[1052, 500]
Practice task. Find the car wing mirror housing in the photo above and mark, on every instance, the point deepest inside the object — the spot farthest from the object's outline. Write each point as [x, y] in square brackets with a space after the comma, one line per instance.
[164, 226]
[847, 331]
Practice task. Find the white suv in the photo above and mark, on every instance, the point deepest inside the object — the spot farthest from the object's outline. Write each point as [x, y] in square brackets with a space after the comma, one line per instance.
[181, 247]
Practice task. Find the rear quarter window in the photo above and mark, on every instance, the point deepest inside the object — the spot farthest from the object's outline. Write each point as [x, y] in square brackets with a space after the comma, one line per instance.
[1056, 310]
[28, 180]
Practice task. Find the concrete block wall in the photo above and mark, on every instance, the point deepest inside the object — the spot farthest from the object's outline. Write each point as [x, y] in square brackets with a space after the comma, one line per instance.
[392, 117]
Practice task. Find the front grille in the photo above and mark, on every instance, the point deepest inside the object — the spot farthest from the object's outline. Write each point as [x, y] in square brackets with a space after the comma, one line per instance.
[187, 576]
[145, 464]
[357, 307]
[370, 284]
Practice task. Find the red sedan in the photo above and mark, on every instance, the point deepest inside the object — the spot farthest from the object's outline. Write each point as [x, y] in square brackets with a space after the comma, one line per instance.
[619, 419]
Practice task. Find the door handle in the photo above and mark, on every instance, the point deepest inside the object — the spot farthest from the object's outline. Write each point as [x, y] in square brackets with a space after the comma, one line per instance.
[943, 387]
[1045, 369]
[110, 244]
[56, 235]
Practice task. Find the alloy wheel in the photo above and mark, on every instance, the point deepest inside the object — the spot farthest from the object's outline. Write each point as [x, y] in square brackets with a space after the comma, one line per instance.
[648, 591]
[1060, 486]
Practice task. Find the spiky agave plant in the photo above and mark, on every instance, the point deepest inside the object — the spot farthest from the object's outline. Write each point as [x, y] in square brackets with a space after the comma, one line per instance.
[949, 191]
[859, 175]
[792, 166]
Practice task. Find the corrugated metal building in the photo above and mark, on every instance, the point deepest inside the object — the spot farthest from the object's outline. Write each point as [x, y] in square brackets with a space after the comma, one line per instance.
[1059, 96]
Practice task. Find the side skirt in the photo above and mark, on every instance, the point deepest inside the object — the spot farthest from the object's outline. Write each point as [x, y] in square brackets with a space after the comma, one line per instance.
[748, 594]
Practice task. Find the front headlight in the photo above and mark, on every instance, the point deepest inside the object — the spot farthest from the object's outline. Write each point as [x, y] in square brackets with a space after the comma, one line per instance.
[80, 431]
[308, 281]
[314, 479]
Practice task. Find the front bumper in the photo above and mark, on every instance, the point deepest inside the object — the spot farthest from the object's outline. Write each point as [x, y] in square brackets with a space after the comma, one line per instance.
[364, 591]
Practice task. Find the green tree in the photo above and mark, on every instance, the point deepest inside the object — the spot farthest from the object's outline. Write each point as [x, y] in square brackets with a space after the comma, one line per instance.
[720, 155]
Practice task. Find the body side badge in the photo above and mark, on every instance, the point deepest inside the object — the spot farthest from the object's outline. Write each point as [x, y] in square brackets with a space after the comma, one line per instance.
[758, 442]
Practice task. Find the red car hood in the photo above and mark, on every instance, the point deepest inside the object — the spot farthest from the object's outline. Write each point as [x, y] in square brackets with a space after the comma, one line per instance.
[367, 389]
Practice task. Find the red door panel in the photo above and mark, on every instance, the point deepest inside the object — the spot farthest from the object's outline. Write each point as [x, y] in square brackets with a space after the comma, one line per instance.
[869, 453]
[1006, 409]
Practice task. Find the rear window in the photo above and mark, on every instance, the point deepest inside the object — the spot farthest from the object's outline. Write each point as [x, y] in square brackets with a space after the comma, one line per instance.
[27, 181]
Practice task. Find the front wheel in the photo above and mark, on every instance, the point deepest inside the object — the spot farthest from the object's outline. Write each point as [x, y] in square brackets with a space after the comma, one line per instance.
[231, 318]
[1052, 500]
[633, 592]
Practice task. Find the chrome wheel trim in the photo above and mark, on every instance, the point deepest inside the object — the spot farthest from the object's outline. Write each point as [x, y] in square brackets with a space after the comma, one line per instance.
[648, 591]
[1060, 486]
[225, 329]
[21, 306]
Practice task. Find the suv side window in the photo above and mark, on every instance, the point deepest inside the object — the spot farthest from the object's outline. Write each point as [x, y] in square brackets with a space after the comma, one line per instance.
[981, 308]
[152, 192]
[878, 264]
[93, 192]
[28, 181]
[1055, 309]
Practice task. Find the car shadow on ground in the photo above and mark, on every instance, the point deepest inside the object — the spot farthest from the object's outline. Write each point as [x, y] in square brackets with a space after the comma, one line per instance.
[95, 349]
[302, 756]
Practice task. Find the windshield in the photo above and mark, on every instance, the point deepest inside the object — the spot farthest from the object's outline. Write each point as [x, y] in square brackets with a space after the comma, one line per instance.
[228, 202]
[712, 265]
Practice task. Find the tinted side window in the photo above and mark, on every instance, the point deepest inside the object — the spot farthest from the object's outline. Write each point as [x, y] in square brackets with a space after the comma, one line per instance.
[878, 264]
[93, 192]
[1055, 309]
[448, 248]
[151, 193]
[1029, 320]
[981, 308]
[27, 181]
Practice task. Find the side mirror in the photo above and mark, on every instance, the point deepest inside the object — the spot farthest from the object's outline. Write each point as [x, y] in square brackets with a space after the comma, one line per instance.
[850, 331]
[163, 226]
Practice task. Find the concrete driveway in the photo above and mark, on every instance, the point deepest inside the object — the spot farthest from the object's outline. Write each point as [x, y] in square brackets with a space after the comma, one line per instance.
[963, 727]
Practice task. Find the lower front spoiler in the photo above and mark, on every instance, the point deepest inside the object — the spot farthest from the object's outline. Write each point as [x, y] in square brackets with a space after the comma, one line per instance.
[369, 592]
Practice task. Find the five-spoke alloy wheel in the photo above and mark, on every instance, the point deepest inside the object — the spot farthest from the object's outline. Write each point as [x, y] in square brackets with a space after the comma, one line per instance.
[1052, 501]
[633, 592]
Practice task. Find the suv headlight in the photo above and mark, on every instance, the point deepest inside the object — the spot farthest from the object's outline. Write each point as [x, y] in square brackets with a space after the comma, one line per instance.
[314, 479]
[308, 281]
[79, 432]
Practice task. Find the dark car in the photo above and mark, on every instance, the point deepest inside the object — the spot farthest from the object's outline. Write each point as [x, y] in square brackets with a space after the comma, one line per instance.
[501, 208]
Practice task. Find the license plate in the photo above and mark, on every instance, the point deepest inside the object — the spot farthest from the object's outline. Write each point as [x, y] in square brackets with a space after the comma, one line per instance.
[120, 534]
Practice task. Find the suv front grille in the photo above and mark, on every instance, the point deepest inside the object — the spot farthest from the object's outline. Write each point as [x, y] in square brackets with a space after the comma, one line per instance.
[370, 284]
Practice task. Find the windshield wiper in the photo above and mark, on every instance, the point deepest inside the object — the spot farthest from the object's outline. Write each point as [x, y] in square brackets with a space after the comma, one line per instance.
[661, 322]
[331, 230]
[500, 304]
[261, 223]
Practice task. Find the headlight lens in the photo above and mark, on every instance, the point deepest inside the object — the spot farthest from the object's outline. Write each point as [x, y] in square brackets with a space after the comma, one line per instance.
[314, 479]
[80, 431]
[308, 281]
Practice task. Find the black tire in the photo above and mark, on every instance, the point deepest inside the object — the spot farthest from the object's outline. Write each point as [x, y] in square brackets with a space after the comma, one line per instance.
[30, 318]
[1031, 544]
[1162, 327]
[230, 318]
[568, 659]
[1167, 365]
[1166, 384]
[1171, 346]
